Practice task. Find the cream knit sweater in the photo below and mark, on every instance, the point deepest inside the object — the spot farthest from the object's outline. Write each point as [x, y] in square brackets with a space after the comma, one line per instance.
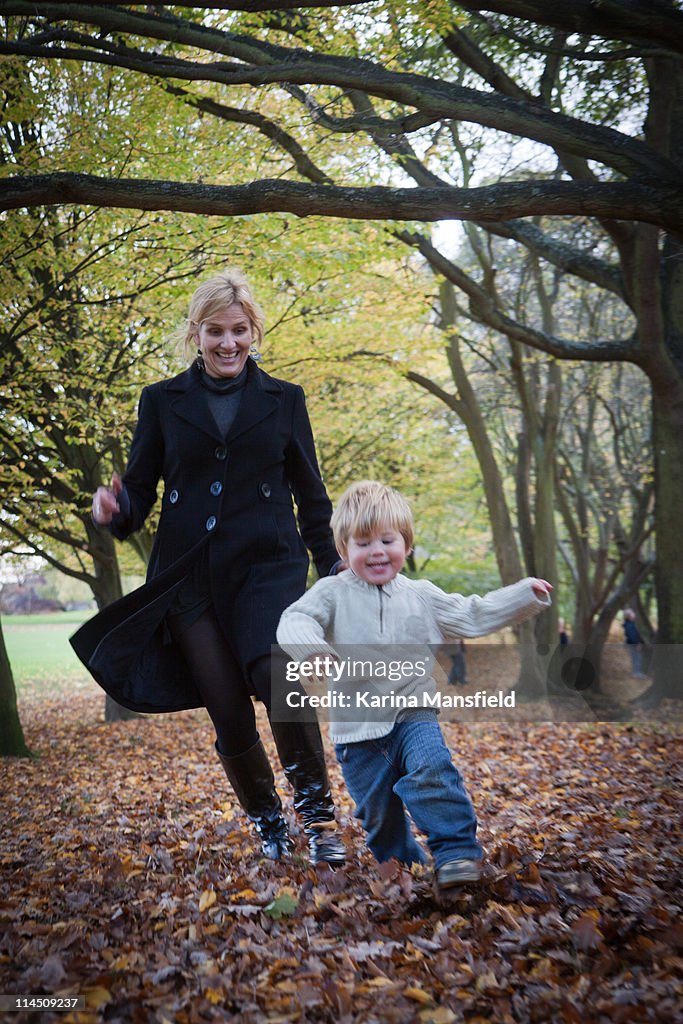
[343, 615]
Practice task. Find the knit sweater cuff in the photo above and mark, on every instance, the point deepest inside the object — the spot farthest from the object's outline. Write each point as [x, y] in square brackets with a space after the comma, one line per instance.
[299, 637]
[522, 601]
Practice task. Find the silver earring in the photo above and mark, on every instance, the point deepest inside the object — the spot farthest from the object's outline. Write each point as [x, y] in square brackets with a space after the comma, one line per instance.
[200, 360]
[255, 354]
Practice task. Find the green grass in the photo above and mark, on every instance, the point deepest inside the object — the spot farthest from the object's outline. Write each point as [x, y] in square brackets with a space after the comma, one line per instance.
[41, 657]
[46, 618]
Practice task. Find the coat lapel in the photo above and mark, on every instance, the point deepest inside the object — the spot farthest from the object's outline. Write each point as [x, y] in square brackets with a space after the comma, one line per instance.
[189, 403]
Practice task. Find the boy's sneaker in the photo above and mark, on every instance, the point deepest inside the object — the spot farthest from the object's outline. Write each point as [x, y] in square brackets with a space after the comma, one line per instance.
[457, 872]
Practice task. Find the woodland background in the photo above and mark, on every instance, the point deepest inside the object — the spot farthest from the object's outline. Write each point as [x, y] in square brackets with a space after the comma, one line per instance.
[464, 223]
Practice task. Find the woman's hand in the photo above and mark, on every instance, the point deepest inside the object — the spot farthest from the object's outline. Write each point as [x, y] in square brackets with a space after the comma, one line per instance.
[541, 588]
[105, 501]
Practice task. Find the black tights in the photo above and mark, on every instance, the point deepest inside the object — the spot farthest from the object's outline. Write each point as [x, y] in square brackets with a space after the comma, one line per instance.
[222, 686]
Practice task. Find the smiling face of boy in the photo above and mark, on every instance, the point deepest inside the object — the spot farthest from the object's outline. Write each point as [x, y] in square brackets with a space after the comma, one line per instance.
[377, 558]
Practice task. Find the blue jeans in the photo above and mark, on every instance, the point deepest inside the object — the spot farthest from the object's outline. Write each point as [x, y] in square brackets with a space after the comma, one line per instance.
[411, 769]
[636, 652]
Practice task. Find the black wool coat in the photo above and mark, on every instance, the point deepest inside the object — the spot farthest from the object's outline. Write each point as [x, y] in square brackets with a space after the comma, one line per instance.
[232, 495]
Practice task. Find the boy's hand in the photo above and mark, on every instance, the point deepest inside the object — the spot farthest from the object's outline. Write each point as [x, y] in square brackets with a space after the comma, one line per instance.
[319, 662]
[541, 588]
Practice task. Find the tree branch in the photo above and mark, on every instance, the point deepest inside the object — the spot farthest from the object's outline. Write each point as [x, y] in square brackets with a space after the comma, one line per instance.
[559, 254]
[434, 389]
[50, 559]
[643, 22]
[483, 309]
[462, 46]
[660, 205]
[266, 63]
[248, 6]
[272, 131]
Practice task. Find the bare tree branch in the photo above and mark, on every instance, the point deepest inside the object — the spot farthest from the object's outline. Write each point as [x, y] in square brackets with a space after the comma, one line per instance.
[642, 22]
[560, 254]
[483, 308]
[661, 205]
[272, 131]
[36, 549]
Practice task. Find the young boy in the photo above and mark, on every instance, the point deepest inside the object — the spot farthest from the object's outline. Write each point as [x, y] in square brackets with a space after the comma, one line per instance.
[399, 760]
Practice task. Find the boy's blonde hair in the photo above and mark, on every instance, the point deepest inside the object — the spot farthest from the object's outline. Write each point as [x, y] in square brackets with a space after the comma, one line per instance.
[367, 506]
[214, 296]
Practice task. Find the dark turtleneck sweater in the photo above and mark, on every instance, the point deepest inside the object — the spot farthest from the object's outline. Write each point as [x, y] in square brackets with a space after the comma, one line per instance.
[223, 395]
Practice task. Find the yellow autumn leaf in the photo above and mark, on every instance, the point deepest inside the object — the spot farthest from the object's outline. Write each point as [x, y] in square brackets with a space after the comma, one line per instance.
[207, 899]
[485, 981]
[440, 1015]
[418, 994]
[97, 997]
[214, 995]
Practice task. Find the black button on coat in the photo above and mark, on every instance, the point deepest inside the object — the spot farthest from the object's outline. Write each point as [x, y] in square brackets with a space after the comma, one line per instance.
[257, 558]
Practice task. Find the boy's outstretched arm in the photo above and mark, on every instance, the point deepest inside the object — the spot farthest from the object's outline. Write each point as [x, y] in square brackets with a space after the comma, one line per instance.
[472, 616]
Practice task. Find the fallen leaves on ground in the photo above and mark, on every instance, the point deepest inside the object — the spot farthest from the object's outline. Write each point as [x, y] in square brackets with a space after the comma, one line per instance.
[130, 876]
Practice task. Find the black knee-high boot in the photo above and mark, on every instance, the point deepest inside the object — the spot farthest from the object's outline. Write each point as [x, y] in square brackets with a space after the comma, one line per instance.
[252, 779]
[300, 748]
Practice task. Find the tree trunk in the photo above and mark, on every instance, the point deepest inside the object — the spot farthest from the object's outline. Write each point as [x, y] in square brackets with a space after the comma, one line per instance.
[545, 537]
[667, 427]
[106, 590]
[656, 281]
[102, 547]
[12, 743]
[531, 682]
[114, 712]
[595, 645]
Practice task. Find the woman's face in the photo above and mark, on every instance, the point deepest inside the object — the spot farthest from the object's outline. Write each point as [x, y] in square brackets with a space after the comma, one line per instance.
[224, 341]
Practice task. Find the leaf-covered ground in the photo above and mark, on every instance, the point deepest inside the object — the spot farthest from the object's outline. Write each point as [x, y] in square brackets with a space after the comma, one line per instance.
[129, 876]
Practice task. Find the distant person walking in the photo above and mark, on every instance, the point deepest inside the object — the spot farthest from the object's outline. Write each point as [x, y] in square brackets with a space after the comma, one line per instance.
[458, 672]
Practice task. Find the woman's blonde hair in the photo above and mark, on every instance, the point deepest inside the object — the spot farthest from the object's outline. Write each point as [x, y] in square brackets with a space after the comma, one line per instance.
[367, 506]
[212, 297]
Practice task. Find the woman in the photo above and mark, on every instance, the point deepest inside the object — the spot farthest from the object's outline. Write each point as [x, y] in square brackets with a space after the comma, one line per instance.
[233, 445]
